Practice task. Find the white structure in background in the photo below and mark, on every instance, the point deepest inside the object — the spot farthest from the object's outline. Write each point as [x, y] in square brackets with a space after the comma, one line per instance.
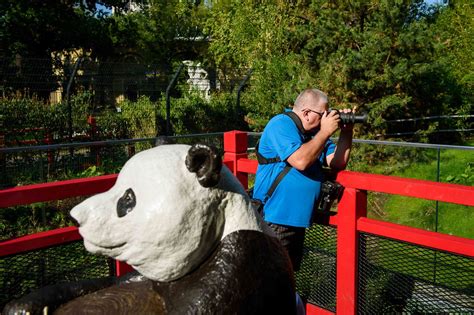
[198, 79]
[131, 6]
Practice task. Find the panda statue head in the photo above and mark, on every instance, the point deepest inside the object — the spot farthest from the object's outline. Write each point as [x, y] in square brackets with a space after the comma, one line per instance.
[169, 208]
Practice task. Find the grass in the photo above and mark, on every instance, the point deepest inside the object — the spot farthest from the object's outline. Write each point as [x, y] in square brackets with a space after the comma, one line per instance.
[456, 166]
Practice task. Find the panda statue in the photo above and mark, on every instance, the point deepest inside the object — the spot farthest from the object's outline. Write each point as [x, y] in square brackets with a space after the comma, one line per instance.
[188, 228]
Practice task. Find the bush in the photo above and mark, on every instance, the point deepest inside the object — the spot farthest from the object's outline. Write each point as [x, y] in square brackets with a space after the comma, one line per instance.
[195, 114]
[140, 117]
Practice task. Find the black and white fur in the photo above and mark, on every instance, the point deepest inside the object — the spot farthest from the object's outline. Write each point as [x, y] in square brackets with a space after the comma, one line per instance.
[186, 225]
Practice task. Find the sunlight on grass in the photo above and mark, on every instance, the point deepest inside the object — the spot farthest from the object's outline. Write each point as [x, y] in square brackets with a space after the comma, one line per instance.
[455, 166]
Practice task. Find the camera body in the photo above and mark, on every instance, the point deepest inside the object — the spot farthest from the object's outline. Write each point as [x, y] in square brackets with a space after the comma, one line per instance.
[350, 118]
[330, 191]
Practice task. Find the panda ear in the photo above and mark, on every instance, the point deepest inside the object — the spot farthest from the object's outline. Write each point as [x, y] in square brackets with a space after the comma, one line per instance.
[206, 163]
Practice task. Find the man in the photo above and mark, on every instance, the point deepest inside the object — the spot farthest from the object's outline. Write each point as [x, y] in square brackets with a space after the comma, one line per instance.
[298, 147]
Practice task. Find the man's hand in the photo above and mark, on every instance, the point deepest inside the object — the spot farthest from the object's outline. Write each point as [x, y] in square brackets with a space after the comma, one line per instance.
[329, 123]
[348, 127]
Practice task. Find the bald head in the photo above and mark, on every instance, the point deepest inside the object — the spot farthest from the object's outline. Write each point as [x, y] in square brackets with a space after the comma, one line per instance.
[311, 98]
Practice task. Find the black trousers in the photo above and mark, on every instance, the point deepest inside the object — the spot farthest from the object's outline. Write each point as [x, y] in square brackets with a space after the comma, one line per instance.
[292, 239]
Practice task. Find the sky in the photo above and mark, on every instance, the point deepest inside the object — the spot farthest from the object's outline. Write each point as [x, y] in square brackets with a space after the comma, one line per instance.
[108, 11]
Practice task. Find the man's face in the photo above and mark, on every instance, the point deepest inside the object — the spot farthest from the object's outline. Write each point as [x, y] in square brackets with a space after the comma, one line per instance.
[312, 115]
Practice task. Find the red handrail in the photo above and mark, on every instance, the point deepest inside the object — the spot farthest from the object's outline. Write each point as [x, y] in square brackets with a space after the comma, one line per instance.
[39, 241]
[350, 218]
[24, 195]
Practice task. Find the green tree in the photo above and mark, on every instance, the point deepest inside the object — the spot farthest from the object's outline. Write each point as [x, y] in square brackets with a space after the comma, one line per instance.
[378, 55]
[160, 32]
[455, 48]
[37, 28]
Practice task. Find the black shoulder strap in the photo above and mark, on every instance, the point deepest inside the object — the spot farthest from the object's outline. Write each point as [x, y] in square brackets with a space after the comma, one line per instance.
[306, 135]
[263, 160]
[277, 181]
[297, 121]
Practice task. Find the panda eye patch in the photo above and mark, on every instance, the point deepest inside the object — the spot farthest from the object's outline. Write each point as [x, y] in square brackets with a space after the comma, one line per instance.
[126, 203]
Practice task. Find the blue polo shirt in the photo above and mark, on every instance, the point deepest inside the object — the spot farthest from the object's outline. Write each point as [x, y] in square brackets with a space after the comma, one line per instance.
[294, 198]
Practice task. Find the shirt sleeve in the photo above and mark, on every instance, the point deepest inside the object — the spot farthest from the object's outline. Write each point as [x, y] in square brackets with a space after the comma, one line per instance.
[284, 138]
[329, 149]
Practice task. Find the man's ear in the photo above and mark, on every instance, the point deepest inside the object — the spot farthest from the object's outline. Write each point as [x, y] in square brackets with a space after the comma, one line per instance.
[206, 163]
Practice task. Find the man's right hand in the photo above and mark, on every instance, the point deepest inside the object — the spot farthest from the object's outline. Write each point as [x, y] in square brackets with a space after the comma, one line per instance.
[329, 123]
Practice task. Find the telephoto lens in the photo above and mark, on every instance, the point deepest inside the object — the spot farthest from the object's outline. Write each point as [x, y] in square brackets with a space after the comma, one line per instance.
[350, 118]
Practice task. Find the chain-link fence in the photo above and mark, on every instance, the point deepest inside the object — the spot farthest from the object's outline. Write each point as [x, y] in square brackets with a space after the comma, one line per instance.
[110, 82]
[38, 164]
[316, 279]
[22, 273]
[58, 100]
[395, 278]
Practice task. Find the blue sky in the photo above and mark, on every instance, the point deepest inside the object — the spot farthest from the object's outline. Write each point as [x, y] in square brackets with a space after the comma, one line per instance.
[101, 7]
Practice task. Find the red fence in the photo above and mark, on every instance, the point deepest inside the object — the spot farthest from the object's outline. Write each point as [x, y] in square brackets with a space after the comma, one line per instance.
[351, 216]
[350, 219]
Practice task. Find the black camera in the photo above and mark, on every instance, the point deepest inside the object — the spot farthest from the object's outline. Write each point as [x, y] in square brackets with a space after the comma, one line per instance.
[330, 191]
[350, 118]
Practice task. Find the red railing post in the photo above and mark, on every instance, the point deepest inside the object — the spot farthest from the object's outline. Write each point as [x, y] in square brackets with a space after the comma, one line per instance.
[122, 268]
[352, 206]
[235, 148]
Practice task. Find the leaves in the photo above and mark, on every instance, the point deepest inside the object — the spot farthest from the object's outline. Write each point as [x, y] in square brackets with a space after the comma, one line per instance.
[382, 56]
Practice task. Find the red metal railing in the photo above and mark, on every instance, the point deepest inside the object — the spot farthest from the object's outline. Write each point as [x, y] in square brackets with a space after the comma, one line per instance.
[24, 195]
[350, 219]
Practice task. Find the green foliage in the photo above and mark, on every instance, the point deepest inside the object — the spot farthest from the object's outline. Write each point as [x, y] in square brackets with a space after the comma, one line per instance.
[381, 56]
[465, 178]
[32, 28]
[140, 117]
[30, 118]
[194, 114]
[274, 86]
[455, 167]
[22, 220]
[152, 33]
[454, 27]
[112, 125]
[90, 172]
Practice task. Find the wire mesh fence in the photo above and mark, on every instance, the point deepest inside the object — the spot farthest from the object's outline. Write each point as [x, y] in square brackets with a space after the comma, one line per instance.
[109, 82]
[25, 272]
[395, 277]
[316, 279]
[37, 164]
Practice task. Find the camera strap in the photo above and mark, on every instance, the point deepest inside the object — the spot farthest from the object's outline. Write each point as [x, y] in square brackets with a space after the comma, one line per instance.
[263, 160]
[306, 137]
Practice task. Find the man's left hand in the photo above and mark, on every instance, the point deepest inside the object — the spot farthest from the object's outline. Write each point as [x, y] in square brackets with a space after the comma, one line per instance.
[348, 127]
